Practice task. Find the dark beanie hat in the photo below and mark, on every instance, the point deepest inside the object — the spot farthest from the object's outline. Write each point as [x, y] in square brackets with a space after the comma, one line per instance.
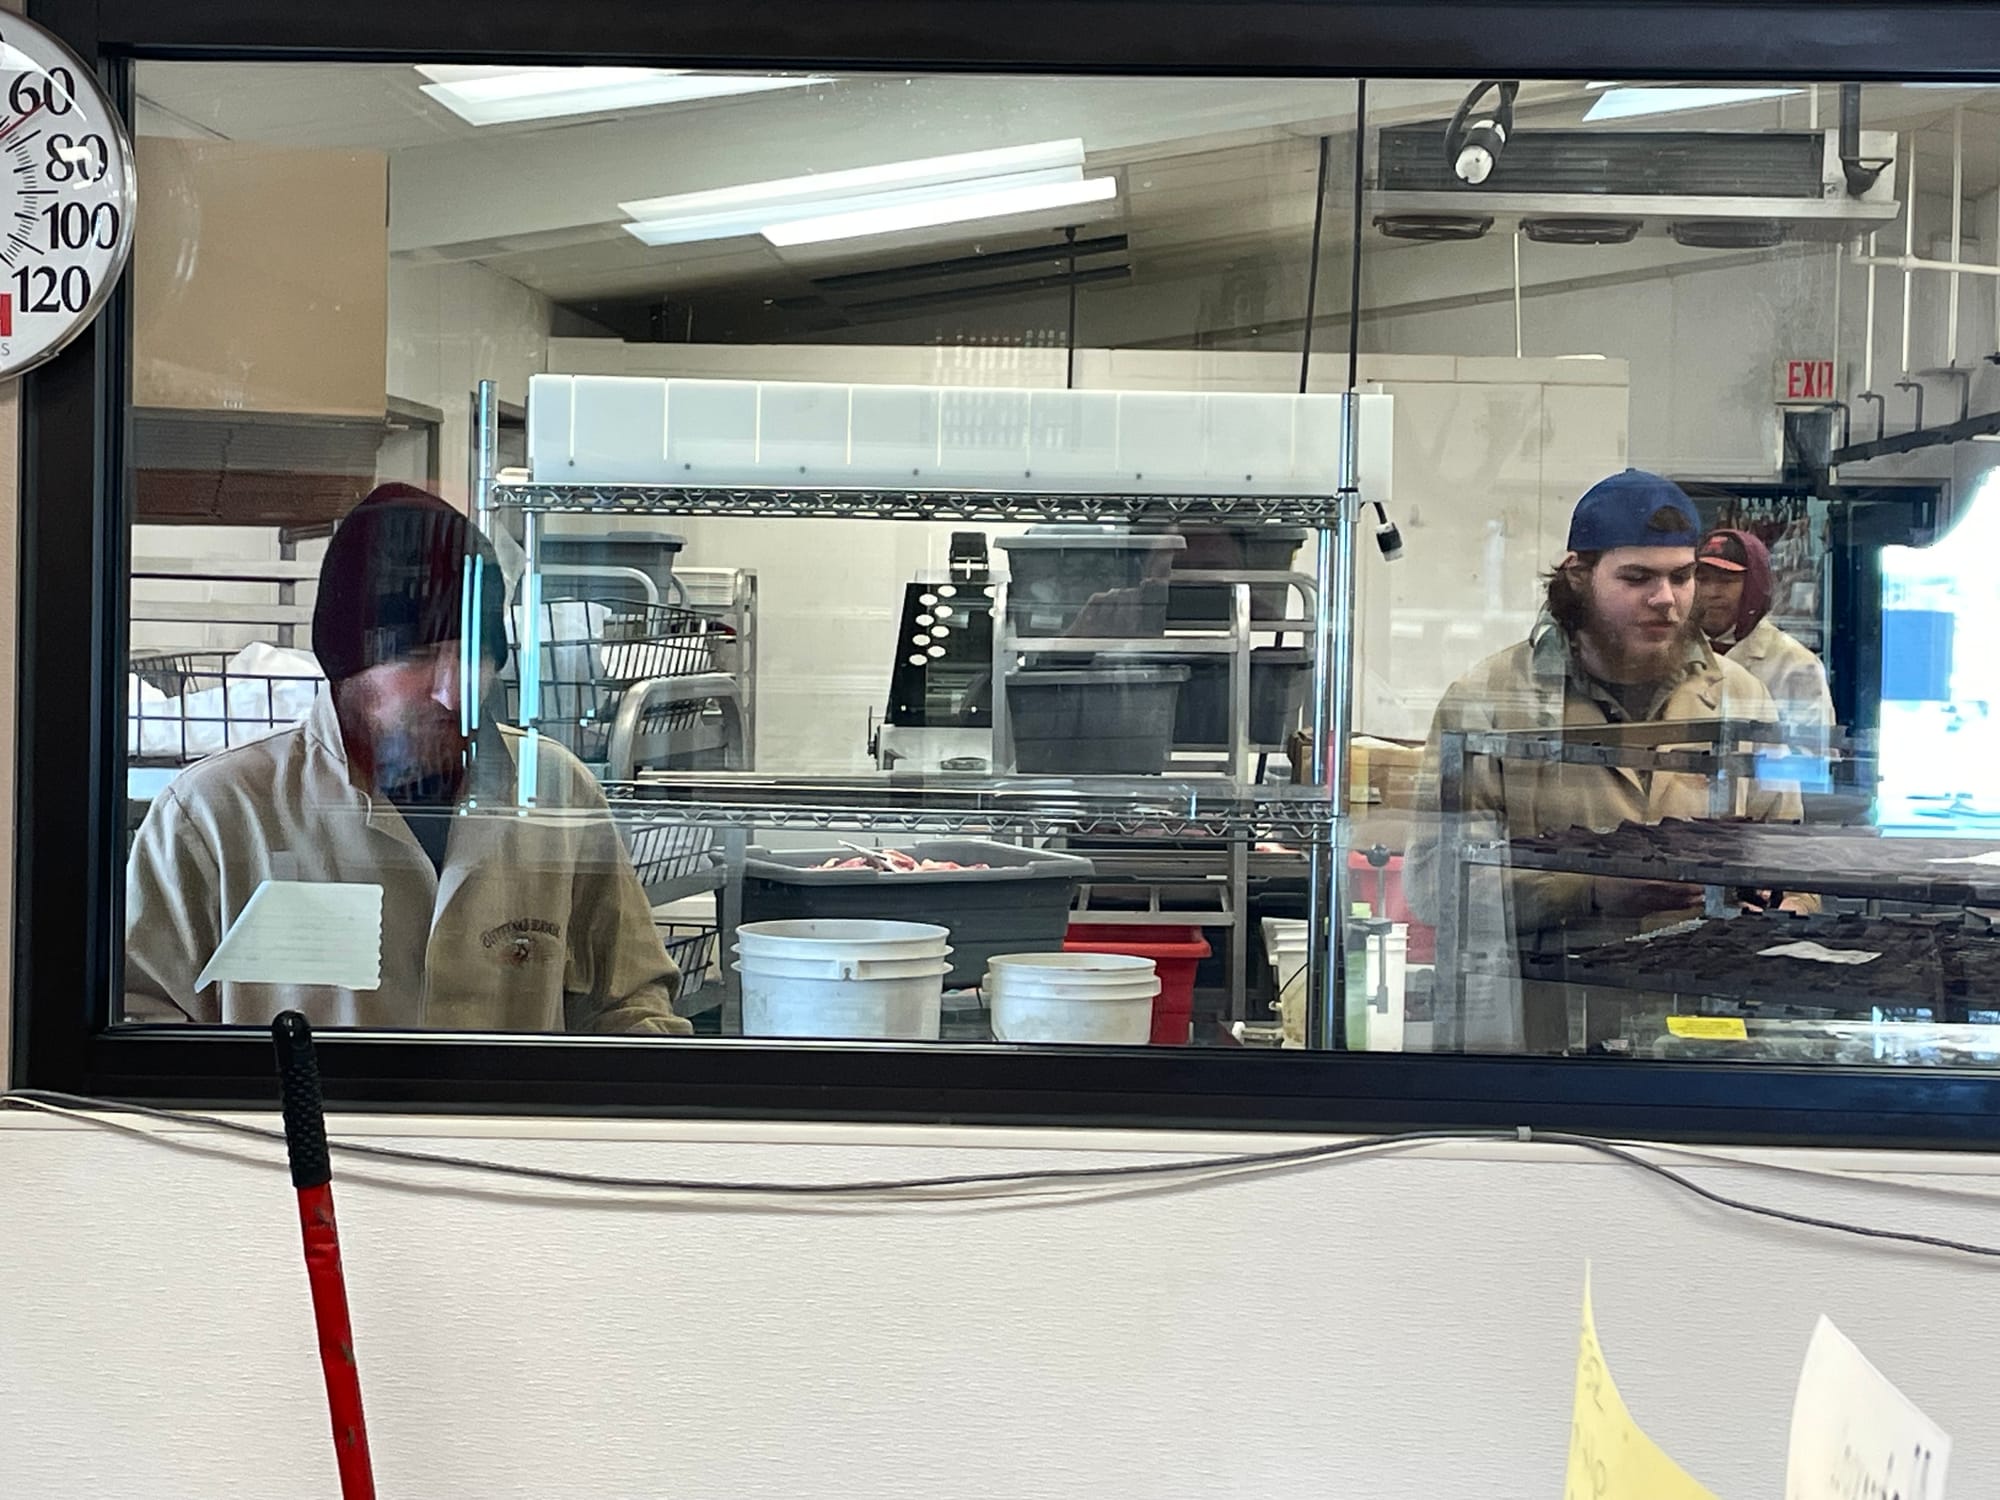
[394, 581]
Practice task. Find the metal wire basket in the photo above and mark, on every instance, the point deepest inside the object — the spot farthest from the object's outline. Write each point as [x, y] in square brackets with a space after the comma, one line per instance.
[691, 945]
[668, 851]
[590, 653]
[204, 706]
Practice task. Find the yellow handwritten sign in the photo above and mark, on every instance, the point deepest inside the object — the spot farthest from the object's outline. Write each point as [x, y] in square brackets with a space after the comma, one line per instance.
[1609, 1457]
[1709, 1028]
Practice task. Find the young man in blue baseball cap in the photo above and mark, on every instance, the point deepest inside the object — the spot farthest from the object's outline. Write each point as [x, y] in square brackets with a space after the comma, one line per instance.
[1616, 643]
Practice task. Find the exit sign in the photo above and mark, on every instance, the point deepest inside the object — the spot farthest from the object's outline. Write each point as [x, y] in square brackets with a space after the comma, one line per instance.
[1805, 380]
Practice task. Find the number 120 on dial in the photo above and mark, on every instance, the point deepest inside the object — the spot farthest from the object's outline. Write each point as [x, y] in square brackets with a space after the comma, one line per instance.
[66, 196]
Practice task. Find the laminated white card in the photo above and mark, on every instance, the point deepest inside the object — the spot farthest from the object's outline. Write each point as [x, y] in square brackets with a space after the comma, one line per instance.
[1853, 1433]
[302, 932]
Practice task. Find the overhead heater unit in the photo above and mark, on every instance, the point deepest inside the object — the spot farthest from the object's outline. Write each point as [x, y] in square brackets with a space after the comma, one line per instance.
[1711, 189]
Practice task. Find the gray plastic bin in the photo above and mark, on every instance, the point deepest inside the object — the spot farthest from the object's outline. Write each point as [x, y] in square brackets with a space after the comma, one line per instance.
[649, 550]
[1094, 721]
[1264, 549]
[1278, 680]
[1020, 905]
[1052, 574]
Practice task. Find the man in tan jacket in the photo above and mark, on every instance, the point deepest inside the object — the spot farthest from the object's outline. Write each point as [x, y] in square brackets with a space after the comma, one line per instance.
[495, 915]
[1614, 645]
[1732, 603]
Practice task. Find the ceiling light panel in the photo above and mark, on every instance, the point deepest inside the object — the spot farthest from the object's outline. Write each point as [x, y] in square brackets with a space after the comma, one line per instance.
[686, 229]
[958, 208]
[822, 187]
[503, 96]
[1633, 103]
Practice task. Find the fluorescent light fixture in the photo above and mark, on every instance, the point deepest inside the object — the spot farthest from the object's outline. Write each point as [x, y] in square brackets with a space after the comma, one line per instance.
[822, 187]
[503, 96]
[958, 208]
[688, 228]
[1630, 103]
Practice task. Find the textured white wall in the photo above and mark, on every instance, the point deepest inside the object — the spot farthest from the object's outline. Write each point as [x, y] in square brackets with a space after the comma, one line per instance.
[1396, 1327]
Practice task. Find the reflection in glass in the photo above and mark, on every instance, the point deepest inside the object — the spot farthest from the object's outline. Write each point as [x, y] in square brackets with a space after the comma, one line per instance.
[897, 483]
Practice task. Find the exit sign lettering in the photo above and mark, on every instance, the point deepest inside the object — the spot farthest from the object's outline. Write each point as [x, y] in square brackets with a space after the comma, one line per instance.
[1806, 380]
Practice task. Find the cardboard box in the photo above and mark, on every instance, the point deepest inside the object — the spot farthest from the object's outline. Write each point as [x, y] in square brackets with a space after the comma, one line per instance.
[260, 278]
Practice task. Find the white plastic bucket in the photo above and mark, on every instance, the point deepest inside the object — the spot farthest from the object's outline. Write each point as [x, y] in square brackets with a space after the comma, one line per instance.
[847, 938]
[1285, 947]
[839, 966]
[1102, 998]
[903, 1009]
[828, 977]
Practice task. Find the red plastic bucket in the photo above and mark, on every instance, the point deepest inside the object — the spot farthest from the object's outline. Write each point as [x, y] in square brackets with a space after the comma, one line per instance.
[1175, 951]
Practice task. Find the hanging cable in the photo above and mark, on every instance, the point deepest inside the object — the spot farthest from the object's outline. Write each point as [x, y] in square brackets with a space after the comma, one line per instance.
[1000, 1185]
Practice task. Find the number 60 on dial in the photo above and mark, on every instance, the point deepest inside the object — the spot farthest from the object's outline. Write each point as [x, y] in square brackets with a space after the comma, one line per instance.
[66, 196]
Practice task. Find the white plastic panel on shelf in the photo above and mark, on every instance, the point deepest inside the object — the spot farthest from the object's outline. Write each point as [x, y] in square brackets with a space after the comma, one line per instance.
[711, 435]
[594, 429]
[637, 430]
[1249, 437]
[983, 437]
[1073, 437]
[893, 435]
[802, 428]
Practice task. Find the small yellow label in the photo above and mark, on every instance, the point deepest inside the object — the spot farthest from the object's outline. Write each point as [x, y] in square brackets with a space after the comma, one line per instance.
[1709, 1028]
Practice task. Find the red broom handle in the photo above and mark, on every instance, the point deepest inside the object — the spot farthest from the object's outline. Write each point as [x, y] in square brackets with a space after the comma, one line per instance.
[312, 1175]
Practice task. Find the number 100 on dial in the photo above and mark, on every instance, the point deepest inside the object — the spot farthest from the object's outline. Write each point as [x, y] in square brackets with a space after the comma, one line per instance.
[66, 196]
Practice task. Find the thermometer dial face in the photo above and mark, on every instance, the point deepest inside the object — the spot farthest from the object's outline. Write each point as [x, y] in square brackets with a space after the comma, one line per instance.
[66, 196]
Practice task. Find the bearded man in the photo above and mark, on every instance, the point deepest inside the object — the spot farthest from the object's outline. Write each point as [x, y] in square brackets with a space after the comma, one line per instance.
[1615, 644]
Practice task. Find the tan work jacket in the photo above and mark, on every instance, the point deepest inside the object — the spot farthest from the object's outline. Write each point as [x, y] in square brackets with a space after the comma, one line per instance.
[535, 922]
[1532, 686]
[1795, 680]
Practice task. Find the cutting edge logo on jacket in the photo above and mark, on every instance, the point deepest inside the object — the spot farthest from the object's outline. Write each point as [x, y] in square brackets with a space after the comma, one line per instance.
[518, 932]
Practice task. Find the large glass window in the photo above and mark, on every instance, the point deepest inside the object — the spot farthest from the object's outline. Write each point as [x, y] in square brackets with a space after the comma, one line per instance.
[857, 556]
[765, 555]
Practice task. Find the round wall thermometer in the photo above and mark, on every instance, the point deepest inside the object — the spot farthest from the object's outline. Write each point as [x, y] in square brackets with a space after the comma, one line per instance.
[66, 196]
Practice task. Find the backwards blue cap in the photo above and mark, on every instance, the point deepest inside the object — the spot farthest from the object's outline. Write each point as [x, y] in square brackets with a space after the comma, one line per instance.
[1614, 512]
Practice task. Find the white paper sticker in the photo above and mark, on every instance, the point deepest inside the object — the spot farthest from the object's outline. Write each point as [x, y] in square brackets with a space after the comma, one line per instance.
[1853, 1433]
[302, 932]
[1819, 954]
[1990, 857]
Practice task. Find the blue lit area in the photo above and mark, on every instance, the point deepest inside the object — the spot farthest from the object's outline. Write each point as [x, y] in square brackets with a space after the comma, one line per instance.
[1940, 734]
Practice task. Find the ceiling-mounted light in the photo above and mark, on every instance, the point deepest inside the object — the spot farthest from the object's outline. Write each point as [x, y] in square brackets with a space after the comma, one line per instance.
[684, 229]
[957, 208]
[878, 199]
[503, 96]
[1623, 103]
[822, 187]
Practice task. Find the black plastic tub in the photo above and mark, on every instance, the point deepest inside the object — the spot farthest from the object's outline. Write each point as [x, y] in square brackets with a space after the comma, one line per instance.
[1020, 905]
[1053, 574]
[1094, 721]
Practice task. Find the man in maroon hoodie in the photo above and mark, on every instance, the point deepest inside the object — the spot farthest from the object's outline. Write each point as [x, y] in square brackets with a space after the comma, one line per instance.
[1732, 603]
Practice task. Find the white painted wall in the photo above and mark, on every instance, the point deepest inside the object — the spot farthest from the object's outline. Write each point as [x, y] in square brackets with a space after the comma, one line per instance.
[450, 327]
[1402, 1326]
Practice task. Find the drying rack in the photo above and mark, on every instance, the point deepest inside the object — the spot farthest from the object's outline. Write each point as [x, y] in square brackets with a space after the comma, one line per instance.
[1726, 752]
[1225, 808]
[1213, 889]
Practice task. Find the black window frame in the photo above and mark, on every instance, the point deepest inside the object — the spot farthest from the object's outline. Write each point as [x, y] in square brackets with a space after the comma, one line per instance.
[74, 559]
